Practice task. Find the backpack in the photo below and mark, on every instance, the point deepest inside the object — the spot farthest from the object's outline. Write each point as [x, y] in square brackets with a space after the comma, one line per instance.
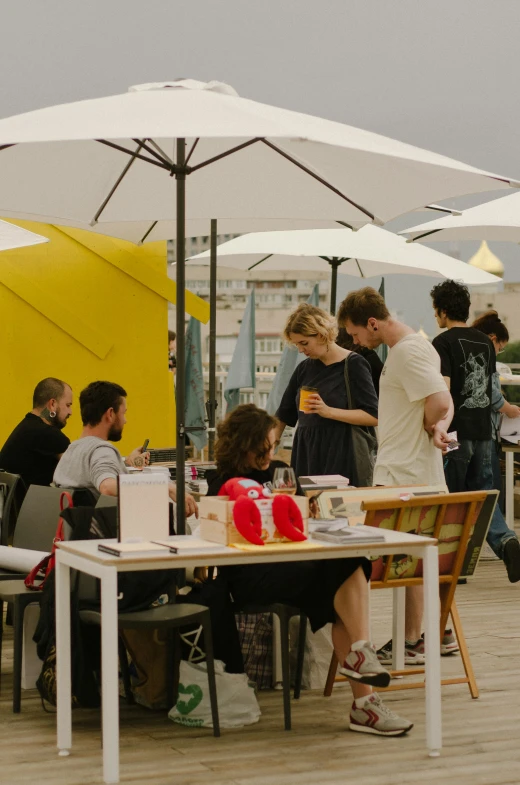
[137, 590]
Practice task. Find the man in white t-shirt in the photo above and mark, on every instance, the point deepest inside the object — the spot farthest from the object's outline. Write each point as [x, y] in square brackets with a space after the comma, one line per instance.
[415, 410]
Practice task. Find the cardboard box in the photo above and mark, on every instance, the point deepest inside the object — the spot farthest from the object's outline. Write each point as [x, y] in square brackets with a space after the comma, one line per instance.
[216, 520]
[226, 533]
[219, 508]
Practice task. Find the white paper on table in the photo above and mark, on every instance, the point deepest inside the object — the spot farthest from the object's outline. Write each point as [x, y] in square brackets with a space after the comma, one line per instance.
[19, 559]
[510, 429]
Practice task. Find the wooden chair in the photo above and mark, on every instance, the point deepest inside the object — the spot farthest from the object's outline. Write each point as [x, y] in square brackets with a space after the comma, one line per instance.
[449, 518]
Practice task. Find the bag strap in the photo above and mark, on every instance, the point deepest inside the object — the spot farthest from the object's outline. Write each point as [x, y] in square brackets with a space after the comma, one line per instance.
[46, 565]
[347, 382]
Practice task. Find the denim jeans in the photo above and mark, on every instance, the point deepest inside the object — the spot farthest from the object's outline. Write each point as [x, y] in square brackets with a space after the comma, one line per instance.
[470, 469]
[497, 474]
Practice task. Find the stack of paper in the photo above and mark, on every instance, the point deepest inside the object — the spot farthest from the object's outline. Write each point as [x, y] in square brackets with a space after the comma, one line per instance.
[340, 532]
[321, 482]
[510, 430]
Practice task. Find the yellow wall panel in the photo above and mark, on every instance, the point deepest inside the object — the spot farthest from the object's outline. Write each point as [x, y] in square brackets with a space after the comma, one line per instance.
[127, 320]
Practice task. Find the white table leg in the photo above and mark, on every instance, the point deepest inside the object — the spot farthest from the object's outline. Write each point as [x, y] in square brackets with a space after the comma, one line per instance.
[109, 671]
[432, 612]
[510, 483]
[399, 600]
[63, 675]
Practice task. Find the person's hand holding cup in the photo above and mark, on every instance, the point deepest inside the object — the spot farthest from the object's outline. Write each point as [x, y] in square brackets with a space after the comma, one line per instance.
[305, 393]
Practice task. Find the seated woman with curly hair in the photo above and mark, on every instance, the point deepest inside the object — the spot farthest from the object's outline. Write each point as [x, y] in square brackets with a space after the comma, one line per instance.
[334, 590]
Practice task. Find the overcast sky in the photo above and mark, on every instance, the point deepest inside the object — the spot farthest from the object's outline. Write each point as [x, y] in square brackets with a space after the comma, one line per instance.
[440, 75]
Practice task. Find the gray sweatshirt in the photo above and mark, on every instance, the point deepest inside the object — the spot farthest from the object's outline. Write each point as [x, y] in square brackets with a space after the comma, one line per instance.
[87, 462]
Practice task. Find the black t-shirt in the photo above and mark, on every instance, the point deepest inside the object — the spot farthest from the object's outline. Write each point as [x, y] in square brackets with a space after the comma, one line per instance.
[468, 358]
[376, 366]
[32, 450]
[216, 480]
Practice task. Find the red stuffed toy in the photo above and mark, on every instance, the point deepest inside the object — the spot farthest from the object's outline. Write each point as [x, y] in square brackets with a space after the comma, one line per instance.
[246, 514]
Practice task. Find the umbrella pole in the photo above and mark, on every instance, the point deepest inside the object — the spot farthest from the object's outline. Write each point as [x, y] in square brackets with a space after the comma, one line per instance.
[211, 405]
[334, 263]
[180, 176]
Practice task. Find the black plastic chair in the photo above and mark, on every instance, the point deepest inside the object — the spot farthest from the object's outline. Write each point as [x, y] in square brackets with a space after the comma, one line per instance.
[285, 613]
[169, 617]
[13, 499]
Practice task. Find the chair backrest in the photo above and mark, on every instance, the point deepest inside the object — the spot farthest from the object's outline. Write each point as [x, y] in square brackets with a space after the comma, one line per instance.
[38, 518]
[450, 518]
[13, 491]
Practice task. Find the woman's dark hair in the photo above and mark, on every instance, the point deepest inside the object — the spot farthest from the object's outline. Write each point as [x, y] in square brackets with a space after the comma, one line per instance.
[98, 398]
[490, 323]
[244, 430]
[453, 299]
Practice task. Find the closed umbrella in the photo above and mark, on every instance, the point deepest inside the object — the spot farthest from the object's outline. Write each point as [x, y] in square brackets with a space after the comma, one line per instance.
[118, 165]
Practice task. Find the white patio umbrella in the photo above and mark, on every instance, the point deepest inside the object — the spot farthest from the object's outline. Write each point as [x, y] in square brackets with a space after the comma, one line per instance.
[369, 252]
[118, 165]
[12, 236]
[496, 220]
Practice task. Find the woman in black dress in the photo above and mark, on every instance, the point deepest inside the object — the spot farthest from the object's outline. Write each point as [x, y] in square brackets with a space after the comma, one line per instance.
[323, 440]
[334, 590]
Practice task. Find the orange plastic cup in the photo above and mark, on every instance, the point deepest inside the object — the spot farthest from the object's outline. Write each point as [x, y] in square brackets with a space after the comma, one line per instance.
[305, 393]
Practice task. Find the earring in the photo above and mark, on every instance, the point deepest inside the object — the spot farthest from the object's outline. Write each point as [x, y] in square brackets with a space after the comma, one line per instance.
[375, 329]
[52, 414]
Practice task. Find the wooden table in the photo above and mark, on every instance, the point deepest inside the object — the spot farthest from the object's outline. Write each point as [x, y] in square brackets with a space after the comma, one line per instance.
[85, 557]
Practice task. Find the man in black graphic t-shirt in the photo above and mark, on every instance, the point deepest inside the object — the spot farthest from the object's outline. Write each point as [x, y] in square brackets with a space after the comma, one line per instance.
[468, 362]
[468, 359]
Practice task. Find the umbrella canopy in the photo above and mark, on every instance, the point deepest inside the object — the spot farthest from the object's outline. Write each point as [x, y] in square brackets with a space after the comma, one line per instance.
[118, 165]
[496, 220]
[369, 252]
[105, 164]
[12, 236]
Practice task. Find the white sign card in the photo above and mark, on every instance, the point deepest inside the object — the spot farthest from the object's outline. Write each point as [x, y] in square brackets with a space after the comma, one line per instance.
[143, 507]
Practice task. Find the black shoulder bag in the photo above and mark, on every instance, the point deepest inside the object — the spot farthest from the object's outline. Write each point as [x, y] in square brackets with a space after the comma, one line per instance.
[364, 443]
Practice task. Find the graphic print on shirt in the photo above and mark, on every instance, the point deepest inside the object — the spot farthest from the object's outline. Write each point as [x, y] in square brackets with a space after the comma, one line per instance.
[476, 376]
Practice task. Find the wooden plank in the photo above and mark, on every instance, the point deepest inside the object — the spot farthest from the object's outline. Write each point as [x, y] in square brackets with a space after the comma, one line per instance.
[480, 736]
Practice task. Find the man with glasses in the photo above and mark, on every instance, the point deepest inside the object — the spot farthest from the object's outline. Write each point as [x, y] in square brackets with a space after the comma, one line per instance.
[468, 363]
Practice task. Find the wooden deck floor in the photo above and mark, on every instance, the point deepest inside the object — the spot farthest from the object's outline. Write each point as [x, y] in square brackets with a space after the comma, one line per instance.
[481, 737]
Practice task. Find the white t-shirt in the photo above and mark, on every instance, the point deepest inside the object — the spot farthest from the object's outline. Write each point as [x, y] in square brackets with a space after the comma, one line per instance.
[406, 454]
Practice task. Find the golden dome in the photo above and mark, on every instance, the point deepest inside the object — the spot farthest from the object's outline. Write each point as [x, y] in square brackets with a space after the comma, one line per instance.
[486, 260]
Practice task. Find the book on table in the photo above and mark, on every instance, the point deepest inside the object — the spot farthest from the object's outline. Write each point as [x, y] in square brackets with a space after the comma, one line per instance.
[340, 532]
[182, 544]
[139, 548]
[322, 482]
[188, 544]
